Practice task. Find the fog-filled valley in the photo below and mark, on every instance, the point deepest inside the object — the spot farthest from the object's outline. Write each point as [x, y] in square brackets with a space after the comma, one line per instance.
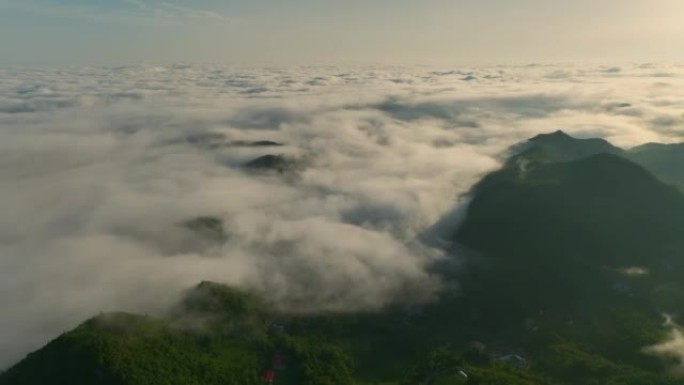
[336, 191]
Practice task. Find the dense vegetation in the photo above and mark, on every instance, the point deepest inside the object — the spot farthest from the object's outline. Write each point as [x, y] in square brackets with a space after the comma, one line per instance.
[579, 255]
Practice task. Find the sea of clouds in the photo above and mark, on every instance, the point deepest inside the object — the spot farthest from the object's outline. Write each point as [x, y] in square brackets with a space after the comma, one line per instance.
[100, 167]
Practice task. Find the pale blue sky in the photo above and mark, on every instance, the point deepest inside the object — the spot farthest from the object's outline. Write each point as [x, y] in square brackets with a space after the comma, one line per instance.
[441, 32]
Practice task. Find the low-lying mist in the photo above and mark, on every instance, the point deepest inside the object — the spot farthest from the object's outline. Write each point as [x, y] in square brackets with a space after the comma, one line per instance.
[122, 187]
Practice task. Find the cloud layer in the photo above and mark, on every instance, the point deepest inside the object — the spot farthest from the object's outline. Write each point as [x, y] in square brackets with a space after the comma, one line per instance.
[100, 168]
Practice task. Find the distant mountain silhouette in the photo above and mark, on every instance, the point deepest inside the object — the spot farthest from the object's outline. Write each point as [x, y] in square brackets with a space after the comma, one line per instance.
[217, 140]
[664, 160]
[274, 163]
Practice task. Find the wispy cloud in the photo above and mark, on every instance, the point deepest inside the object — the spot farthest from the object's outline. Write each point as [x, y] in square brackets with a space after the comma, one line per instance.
[177, 11]
[133, 12]
[170, 11]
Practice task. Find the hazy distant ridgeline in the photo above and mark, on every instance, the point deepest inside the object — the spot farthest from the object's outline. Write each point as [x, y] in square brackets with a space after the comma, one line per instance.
[106, 171]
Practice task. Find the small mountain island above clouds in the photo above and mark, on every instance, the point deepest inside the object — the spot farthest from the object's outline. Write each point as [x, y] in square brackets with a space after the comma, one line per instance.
[563, 147]
[577, 254]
